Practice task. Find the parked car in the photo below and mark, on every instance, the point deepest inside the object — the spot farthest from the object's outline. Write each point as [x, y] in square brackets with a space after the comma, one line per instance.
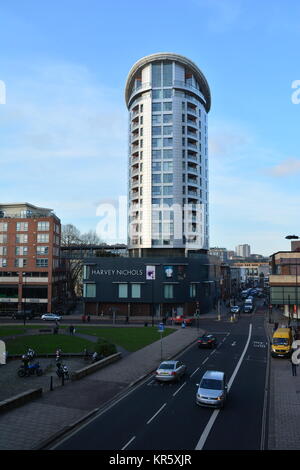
[169, 371]
[51, 316]
[21, 315]
[235, 309]
[212, 390]
[179, 319]
[207, 341]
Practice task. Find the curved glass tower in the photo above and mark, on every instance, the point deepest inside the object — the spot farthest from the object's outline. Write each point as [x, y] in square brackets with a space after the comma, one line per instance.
[168, 99]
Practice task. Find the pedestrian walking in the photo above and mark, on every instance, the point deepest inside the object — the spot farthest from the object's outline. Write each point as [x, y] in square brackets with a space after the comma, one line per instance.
[88, 318]
[71, 329]
[294, 367]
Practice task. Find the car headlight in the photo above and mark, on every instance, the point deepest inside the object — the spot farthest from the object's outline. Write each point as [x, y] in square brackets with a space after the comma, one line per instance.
[221, 397]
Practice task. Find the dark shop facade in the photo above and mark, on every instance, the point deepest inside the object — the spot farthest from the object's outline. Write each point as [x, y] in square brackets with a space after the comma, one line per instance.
[151, 286]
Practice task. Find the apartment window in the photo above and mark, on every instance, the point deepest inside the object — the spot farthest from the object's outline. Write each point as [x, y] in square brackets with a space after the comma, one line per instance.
[156, 75]
[168, 291]
[167, 93]
[156, 166]
[156, 178]
[156, 201]
[123, 291]
[41, 262]
[167, 166]
[168, 142]
[156, 143]
[89, 290]
[136, 291]
[43, 226]
[22, 238]
[3, 238]
[156, 130]
[20, 262]
[156, 118]
[3, 250]
[168, 178]
[192, 291]
[168, 190]
[22, 226]
[167, 118]
[156, 190]
[168, 130]
[156, 154]
[3, 262]
[21, 250]
[42, 238]
[167, 73]
[3, 226]
[167, 106]
[156, 107]
[42, 250]
[156, 94]
[167, 153]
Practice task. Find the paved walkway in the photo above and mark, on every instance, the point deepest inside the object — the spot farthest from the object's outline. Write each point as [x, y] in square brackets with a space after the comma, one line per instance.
[284, 414]
[32, 425]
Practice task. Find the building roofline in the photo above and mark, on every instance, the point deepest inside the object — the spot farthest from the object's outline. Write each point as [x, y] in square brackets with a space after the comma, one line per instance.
[177, 58]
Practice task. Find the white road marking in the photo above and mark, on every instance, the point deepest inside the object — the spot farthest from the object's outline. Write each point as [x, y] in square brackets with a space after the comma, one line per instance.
[213, 417]
[126, 445]
[178, 389]
[205, 360]
[194, 371]
[156, 413]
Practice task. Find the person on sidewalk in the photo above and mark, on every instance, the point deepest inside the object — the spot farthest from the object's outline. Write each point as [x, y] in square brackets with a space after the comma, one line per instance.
[294, 367]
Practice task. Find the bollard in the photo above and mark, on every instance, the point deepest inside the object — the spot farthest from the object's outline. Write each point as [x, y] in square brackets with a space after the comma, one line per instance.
[51, 383]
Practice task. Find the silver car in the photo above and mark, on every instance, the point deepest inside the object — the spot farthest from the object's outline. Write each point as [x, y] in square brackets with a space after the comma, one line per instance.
[169, 371]
[51, 316]
[212, 390]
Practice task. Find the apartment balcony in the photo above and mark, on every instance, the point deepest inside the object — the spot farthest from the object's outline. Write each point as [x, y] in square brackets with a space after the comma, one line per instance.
[192, 144]
[193, 181]
[187, 86]
[192, 170]
[192, 156]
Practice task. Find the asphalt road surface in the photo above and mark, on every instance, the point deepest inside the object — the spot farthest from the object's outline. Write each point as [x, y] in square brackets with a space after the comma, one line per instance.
[157, 416]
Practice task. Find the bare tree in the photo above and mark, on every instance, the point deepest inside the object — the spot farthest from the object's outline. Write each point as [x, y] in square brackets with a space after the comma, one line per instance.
[91, 238]
[70, 235]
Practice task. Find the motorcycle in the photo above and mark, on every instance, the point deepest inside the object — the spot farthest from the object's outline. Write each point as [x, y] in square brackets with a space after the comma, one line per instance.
[62, 370]
[30, 369]
[30, 354]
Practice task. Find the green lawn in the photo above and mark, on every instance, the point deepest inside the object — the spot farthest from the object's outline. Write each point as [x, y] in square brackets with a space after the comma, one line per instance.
[48, 344]
[131, 338]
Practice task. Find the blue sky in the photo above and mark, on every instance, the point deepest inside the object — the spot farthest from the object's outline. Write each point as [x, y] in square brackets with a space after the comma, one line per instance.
[63, 129]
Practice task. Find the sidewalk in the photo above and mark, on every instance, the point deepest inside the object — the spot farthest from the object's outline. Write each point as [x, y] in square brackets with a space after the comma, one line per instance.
[32, 425]
[284, 400]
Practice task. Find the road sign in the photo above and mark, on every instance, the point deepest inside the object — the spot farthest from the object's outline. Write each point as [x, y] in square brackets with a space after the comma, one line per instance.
[161, 327]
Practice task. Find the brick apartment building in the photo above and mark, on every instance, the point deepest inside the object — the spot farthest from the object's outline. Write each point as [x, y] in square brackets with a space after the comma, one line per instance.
[31, 276]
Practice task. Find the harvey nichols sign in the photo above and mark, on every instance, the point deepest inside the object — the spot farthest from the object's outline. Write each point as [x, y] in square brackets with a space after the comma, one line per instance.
[117, 272]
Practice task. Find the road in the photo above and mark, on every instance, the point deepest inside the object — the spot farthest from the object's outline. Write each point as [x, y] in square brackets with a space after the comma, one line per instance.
[158, 416]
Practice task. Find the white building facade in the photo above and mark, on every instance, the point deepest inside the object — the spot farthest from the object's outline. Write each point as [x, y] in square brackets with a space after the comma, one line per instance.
[168, 99]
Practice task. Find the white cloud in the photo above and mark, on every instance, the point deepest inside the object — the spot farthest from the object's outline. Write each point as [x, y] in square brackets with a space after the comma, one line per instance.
[290, 166]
